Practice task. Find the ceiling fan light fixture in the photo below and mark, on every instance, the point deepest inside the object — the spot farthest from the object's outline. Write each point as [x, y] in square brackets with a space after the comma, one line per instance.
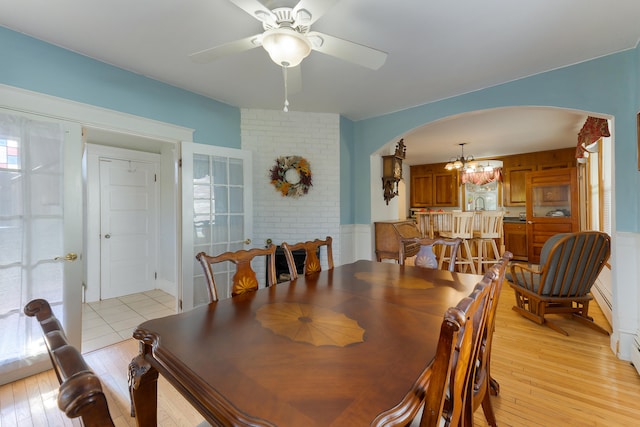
[286, 47]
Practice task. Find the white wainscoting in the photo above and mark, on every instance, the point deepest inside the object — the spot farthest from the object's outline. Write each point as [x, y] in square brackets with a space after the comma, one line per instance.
[625, 292]
[356, 243]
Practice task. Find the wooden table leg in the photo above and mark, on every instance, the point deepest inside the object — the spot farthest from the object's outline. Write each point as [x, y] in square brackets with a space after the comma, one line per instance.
[143, 388]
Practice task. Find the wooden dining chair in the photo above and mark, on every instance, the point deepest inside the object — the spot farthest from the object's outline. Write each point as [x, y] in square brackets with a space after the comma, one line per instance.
[456, 408]
[244, 278]
[432, 252]
[484, 385]
[311, 259]
[443, 395]
[80, 393]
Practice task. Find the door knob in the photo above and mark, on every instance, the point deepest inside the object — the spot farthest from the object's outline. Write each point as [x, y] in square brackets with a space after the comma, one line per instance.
[248, 241]
[68, 257]
[107, 236]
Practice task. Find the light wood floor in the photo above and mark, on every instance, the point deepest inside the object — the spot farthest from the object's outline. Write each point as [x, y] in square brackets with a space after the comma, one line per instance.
[546, 379]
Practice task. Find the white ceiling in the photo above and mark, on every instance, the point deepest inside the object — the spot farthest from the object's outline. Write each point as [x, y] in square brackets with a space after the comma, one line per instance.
[436, 50]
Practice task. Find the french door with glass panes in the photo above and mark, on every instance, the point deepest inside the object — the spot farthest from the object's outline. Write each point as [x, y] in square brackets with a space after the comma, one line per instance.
[40, 235]
[216, 215]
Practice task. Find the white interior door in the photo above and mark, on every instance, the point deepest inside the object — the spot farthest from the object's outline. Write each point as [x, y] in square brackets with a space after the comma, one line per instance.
[40, 228]
[217, 213]
[128, 227]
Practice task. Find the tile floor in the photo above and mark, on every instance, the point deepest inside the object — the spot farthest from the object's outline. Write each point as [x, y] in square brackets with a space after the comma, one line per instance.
[113, 320]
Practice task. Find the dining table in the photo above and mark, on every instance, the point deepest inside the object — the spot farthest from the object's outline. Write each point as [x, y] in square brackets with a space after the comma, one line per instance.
[350, 346]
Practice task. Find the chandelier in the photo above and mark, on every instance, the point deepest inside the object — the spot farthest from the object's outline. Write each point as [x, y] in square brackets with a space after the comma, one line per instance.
[461, 162]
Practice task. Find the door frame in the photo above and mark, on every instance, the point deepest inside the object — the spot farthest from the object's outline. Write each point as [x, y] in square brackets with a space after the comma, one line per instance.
[167, 279]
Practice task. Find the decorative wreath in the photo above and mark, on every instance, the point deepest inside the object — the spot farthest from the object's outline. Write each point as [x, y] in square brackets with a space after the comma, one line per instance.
[291, 176]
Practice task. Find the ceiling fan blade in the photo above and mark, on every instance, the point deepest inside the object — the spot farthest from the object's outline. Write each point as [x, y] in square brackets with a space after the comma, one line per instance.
[213, 53]
[346, 50]
[306, 12]
[256, 9]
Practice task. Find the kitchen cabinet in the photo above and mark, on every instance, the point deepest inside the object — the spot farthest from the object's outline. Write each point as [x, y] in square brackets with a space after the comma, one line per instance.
[515, 239]
[514, 184]
[433, 188]
[552, 207]
[514, 181]
[445, 188]
[516, 167]
[422, 190]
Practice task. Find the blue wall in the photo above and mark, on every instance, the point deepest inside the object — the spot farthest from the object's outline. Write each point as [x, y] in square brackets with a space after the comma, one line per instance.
[607, 85]
[40, 67]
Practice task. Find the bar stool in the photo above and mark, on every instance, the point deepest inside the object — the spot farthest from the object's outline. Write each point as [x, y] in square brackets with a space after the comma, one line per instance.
[440, 221]
[462, 227]
[489, 229]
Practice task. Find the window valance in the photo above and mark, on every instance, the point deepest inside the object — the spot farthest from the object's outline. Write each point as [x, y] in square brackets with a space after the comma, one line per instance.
[481, 177]
[593, 129]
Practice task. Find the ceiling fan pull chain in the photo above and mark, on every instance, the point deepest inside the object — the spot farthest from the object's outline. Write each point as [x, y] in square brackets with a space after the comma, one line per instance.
[286, 94]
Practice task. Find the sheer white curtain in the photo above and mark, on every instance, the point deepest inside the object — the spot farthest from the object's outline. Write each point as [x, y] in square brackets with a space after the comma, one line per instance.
[31, 232]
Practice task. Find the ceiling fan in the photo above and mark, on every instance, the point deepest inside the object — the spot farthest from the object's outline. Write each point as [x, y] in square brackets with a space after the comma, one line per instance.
[288, 39]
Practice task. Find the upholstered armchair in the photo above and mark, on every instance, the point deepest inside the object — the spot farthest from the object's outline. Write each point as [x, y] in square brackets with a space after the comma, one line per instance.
[569, 266]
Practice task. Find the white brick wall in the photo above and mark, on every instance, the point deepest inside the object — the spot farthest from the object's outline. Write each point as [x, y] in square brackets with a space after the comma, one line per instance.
[314, 136]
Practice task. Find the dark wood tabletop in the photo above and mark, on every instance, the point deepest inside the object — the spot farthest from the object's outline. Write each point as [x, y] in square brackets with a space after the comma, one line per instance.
[336, 348]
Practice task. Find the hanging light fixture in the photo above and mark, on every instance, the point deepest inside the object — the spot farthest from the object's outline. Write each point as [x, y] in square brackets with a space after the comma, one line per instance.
[285, 46]
[461, 162]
